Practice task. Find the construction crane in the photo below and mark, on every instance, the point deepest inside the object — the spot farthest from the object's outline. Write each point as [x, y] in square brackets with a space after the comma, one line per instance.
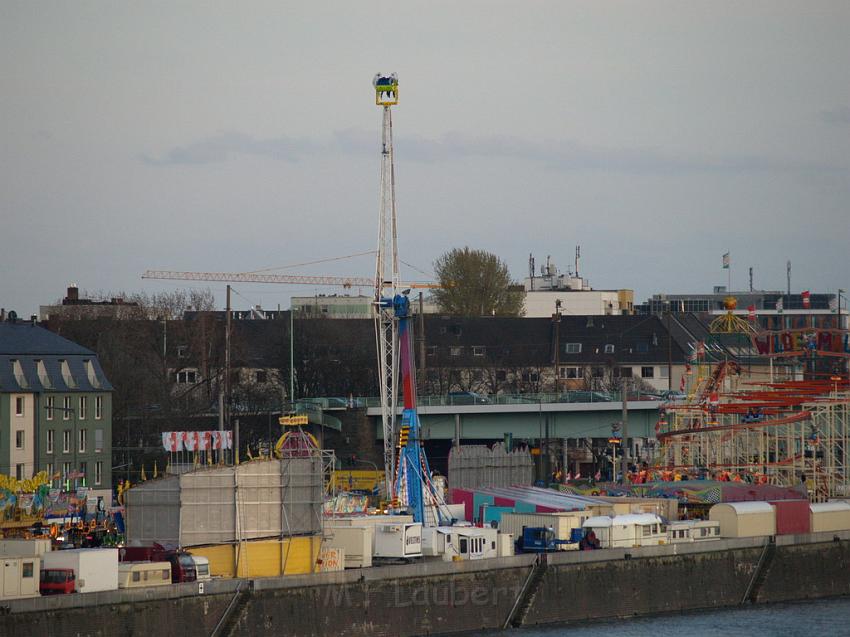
[409, 480]
[252, 277]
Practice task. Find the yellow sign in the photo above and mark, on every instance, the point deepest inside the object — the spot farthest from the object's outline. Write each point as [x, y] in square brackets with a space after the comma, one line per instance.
[293, 420]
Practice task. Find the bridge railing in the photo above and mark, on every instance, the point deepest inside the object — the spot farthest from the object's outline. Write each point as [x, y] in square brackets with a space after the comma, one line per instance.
[472, 398]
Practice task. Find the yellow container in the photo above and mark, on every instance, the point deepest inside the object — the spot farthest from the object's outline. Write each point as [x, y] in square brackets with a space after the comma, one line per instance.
[263, 558]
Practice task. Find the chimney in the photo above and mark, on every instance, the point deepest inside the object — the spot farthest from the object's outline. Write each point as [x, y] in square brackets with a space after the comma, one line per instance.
[73, 293]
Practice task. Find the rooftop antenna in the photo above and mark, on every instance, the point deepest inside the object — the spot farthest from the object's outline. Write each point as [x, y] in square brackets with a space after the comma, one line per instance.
[531, 269]
[578, 256]
[751, 278]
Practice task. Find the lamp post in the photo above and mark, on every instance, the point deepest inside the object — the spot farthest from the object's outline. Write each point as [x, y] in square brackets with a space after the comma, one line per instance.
[669, 348]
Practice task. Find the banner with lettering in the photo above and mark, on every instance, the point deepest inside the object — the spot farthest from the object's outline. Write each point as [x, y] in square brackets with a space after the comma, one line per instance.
[176, 441]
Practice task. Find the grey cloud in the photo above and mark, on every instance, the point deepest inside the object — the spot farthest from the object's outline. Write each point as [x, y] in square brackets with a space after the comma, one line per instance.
[221, 147]
[562, 155]
[839, 116]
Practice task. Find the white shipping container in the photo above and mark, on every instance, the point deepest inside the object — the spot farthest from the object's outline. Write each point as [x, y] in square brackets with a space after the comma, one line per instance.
[95, 569]
[356, 541]
[19, 577]
[398, 541]
[561, 523]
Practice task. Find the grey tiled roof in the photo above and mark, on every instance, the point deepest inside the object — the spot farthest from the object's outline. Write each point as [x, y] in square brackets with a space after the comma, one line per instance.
[27, 344]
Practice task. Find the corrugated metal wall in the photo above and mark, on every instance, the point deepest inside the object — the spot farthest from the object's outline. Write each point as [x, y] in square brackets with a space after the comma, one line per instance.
[263, 558]
[473, 466]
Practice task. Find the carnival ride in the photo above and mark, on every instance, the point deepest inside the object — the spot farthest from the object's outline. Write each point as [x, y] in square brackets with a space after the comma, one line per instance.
[778, 431]
[408, 476]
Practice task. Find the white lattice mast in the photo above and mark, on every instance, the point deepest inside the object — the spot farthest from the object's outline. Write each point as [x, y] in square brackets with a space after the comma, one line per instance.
[387, 277]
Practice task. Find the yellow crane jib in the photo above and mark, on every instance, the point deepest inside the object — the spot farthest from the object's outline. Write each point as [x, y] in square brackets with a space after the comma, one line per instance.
[386, 89]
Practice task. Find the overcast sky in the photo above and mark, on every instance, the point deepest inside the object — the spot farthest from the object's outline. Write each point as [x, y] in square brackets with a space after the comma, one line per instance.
[235, 136]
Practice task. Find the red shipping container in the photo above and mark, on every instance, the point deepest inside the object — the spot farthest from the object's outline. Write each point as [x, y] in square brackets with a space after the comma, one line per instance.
[792, 516]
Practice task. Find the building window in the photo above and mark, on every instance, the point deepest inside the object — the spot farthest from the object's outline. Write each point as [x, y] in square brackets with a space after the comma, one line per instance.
[98, 407]
[478, 350]
[19, 439]
[66, 408]
[572, 348]
[642, 347]
[622, 372]
[84, 471]
[48, 403]
[609, 348]
[432, 350]
[182, 351]
[569, 372]
[26, 569]
[66, 374]
[83, 434]
[261, 376]
[19, 471]
[98, 440]
[647, 372]
[597, 372]
[531, 376]
[663, 372]
[66, 469]
[84, 403]
[19, 405]
[66, 441]
[187, 377]
[455, 351]
[98, 472]
[49, 468]
[49, 441]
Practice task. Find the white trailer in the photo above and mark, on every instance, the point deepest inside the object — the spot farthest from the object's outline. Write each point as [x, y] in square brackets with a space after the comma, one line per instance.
[95, 569]
[19, 577]
[692, 531]
[468, 543]
[627, 531]
[356, 541]
[402, 540]
[561, 523]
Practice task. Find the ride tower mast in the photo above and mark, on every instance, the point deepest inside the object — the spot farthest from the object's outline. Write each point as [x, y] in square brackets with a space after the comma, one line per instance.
[409, 482]
[387, 278]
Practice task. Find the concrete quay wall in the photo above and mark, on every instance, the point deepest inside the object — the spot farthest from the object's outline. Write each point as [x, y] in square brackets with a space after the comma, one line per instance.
[436, 597]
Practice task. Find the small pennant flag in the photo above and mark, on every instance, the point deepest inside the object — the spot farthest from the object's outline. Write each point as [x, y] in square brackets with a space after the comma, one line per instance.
[833, 304]
[578, 475]
[751, 310]
[726, 261]
[807, 301]
[779, 305]
[598, 475]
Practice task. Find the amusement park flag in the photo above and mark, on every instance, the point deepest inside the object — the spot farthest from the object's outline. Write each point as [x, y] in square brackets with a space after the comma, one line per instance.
[726, 261]
[779, 306]
[807, 302]
[833, 305]
[751, 310]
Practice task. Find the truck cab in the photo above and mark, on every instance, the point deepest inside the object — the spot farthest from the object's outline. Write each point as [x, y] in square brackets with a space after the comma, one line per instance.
[57, 581]
[538, 540]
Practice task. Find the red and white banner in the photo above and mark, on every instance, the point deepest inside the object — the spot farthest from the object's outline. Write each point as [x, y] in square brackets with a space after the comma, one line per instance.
[174, 441]
[751, 310]
[807, 302]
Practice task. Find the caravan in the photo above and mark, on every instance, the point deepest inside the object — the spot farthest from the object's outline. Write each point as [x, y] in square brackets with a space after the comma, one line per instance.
[627, 531]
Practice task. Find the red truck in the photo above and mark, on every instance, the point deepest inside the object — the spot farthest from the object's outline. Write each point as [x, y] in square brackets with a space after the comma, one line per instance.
[57, 581]
[183, 567]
